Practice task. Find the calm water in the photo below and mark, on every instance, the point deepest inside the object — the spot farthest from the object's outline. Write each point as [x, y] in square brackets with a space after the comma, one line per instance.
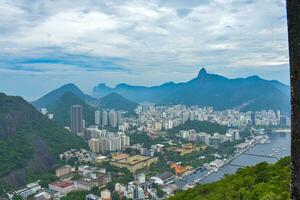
[279, 141]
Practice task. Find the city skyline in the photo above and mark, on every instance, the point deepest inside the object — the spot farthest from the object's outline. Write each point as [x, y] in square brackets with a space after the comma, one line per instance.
[137, 42]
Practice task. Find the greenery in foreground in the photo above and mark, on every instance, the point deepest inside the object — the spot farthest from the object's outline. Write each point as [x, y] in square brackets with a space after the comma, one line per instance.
[261, 182]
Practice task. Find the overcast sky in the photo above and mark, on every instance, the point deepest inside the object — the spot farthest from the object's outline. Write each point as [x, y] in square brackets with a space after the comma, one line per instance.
[47, 43]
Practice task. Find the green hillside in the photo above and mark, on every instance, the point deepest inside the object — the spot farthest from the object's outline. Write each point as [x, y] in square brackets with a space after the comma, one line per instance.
[62, 108]
[261, 182]
[30, 143]
[117, 102]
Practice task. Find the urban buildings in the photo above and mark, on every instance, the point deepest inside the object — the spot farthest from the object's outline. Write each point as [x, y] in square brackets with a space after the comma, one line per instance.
[30, 189]
[63, 187]
[113, 118]
[162, 178]
[64, 170]
[102, 141]
[92, 197]
[104, 118]
[77, 119]
[97, 117]
[105, 195]
[134, 163]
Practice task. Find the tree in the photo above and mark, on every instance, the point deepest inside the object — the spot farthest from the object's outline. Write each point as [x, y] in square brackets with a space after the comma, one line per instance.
[115, 196]
[293, 10]
[17, 197]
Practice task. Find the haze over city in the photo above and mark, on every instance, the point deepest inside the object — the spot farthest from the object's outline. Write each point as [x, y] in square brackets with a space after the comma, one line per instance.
[49, 43]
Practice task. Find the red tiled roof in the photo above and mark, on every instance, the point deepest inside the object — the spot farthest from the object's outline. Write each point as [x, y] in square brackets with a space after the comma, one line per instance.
[62, 184]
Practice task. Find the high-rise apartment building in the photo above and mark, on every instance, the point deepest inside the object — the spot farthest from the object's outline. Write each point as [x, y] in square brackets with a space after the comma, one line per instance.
[104, 118]
[77, 119]
[125, 140]
[253, 118]
[113, 118]
[108, 141]
[97, 117]
[94, 145]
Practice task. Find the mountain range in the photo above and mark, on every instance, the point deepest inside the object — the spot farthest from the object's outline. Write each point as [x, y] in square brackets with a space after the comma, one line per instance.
[30, 143]
[244, 94]
[59, 102]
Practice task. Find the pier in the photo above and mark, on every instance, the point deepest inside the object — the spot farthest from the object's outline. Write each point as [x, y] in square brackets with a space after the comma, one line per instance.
[234, 165]
[262, 156]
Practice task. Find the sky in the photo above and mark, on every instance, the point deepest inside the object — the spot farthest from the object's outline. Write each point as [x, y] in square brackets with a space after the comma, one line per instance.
[48, 43]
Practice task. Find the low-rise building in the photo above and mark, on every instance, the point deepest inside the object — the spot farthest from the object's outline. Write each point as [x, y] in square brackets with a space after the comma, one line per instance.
[30, 189]
[86, 183]
[92, 197]
[162, 178]
[64, 187]
[105, 195]
[134, 163]
[64, 170]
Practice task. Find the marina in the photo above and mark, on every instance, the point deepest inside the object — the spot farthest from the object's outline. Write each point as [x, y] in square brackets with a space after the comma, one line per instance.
[262, 149]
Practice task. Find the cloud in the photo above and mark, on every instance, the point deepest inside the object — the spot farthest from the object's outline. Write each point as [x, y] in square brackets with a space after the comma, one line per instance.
[130, 41]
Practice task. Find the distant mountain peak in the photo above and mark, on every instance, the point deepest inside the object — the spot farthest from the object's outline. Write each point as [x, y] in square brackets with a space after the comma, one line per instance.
[101, 84]
[202, 72]
[56, 94]
[254, 77]
[120, 85]
[69, 85]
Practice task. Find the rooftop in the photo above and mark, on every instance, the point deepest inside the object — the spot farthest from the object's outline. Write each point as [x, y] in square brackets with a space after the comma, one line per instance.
[62, 184]
[165, 175]
[133, 160]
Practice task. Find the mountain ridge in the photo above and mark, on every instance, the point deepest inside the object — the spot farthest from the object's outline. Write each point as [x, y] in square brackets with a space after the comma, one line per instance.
[208, 90]
[55, 94]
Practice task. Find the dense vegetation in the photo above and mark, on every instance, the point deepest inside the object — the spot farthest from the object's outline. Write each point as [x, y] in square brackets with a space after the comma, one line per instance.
[119, 175]
[261, 182]
[117, 102]
[34, 143]
[201, 126]
[62, 109]
[143, 138]
[77, 195]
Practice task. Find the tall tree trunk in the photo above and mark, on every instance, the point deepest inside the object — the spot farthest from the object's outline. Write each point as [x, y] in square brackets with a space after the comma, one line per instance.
[293, 14]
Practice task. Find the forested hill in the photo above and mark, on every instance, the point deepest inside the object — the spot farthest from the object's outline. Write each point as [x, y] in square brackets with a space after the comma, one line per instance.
[261, 182]
[29, 142]
[61, 109]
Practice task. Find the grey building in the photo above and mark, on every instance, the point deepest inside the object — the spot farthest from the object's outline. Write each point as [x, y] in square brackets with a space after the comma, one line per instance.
[104, 118]
[77, 119]
[97, 117]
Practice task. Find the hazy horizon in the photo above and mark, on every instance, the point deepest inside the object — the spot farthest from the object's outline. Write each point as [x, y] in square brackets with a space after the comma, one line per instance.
[89, 90]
